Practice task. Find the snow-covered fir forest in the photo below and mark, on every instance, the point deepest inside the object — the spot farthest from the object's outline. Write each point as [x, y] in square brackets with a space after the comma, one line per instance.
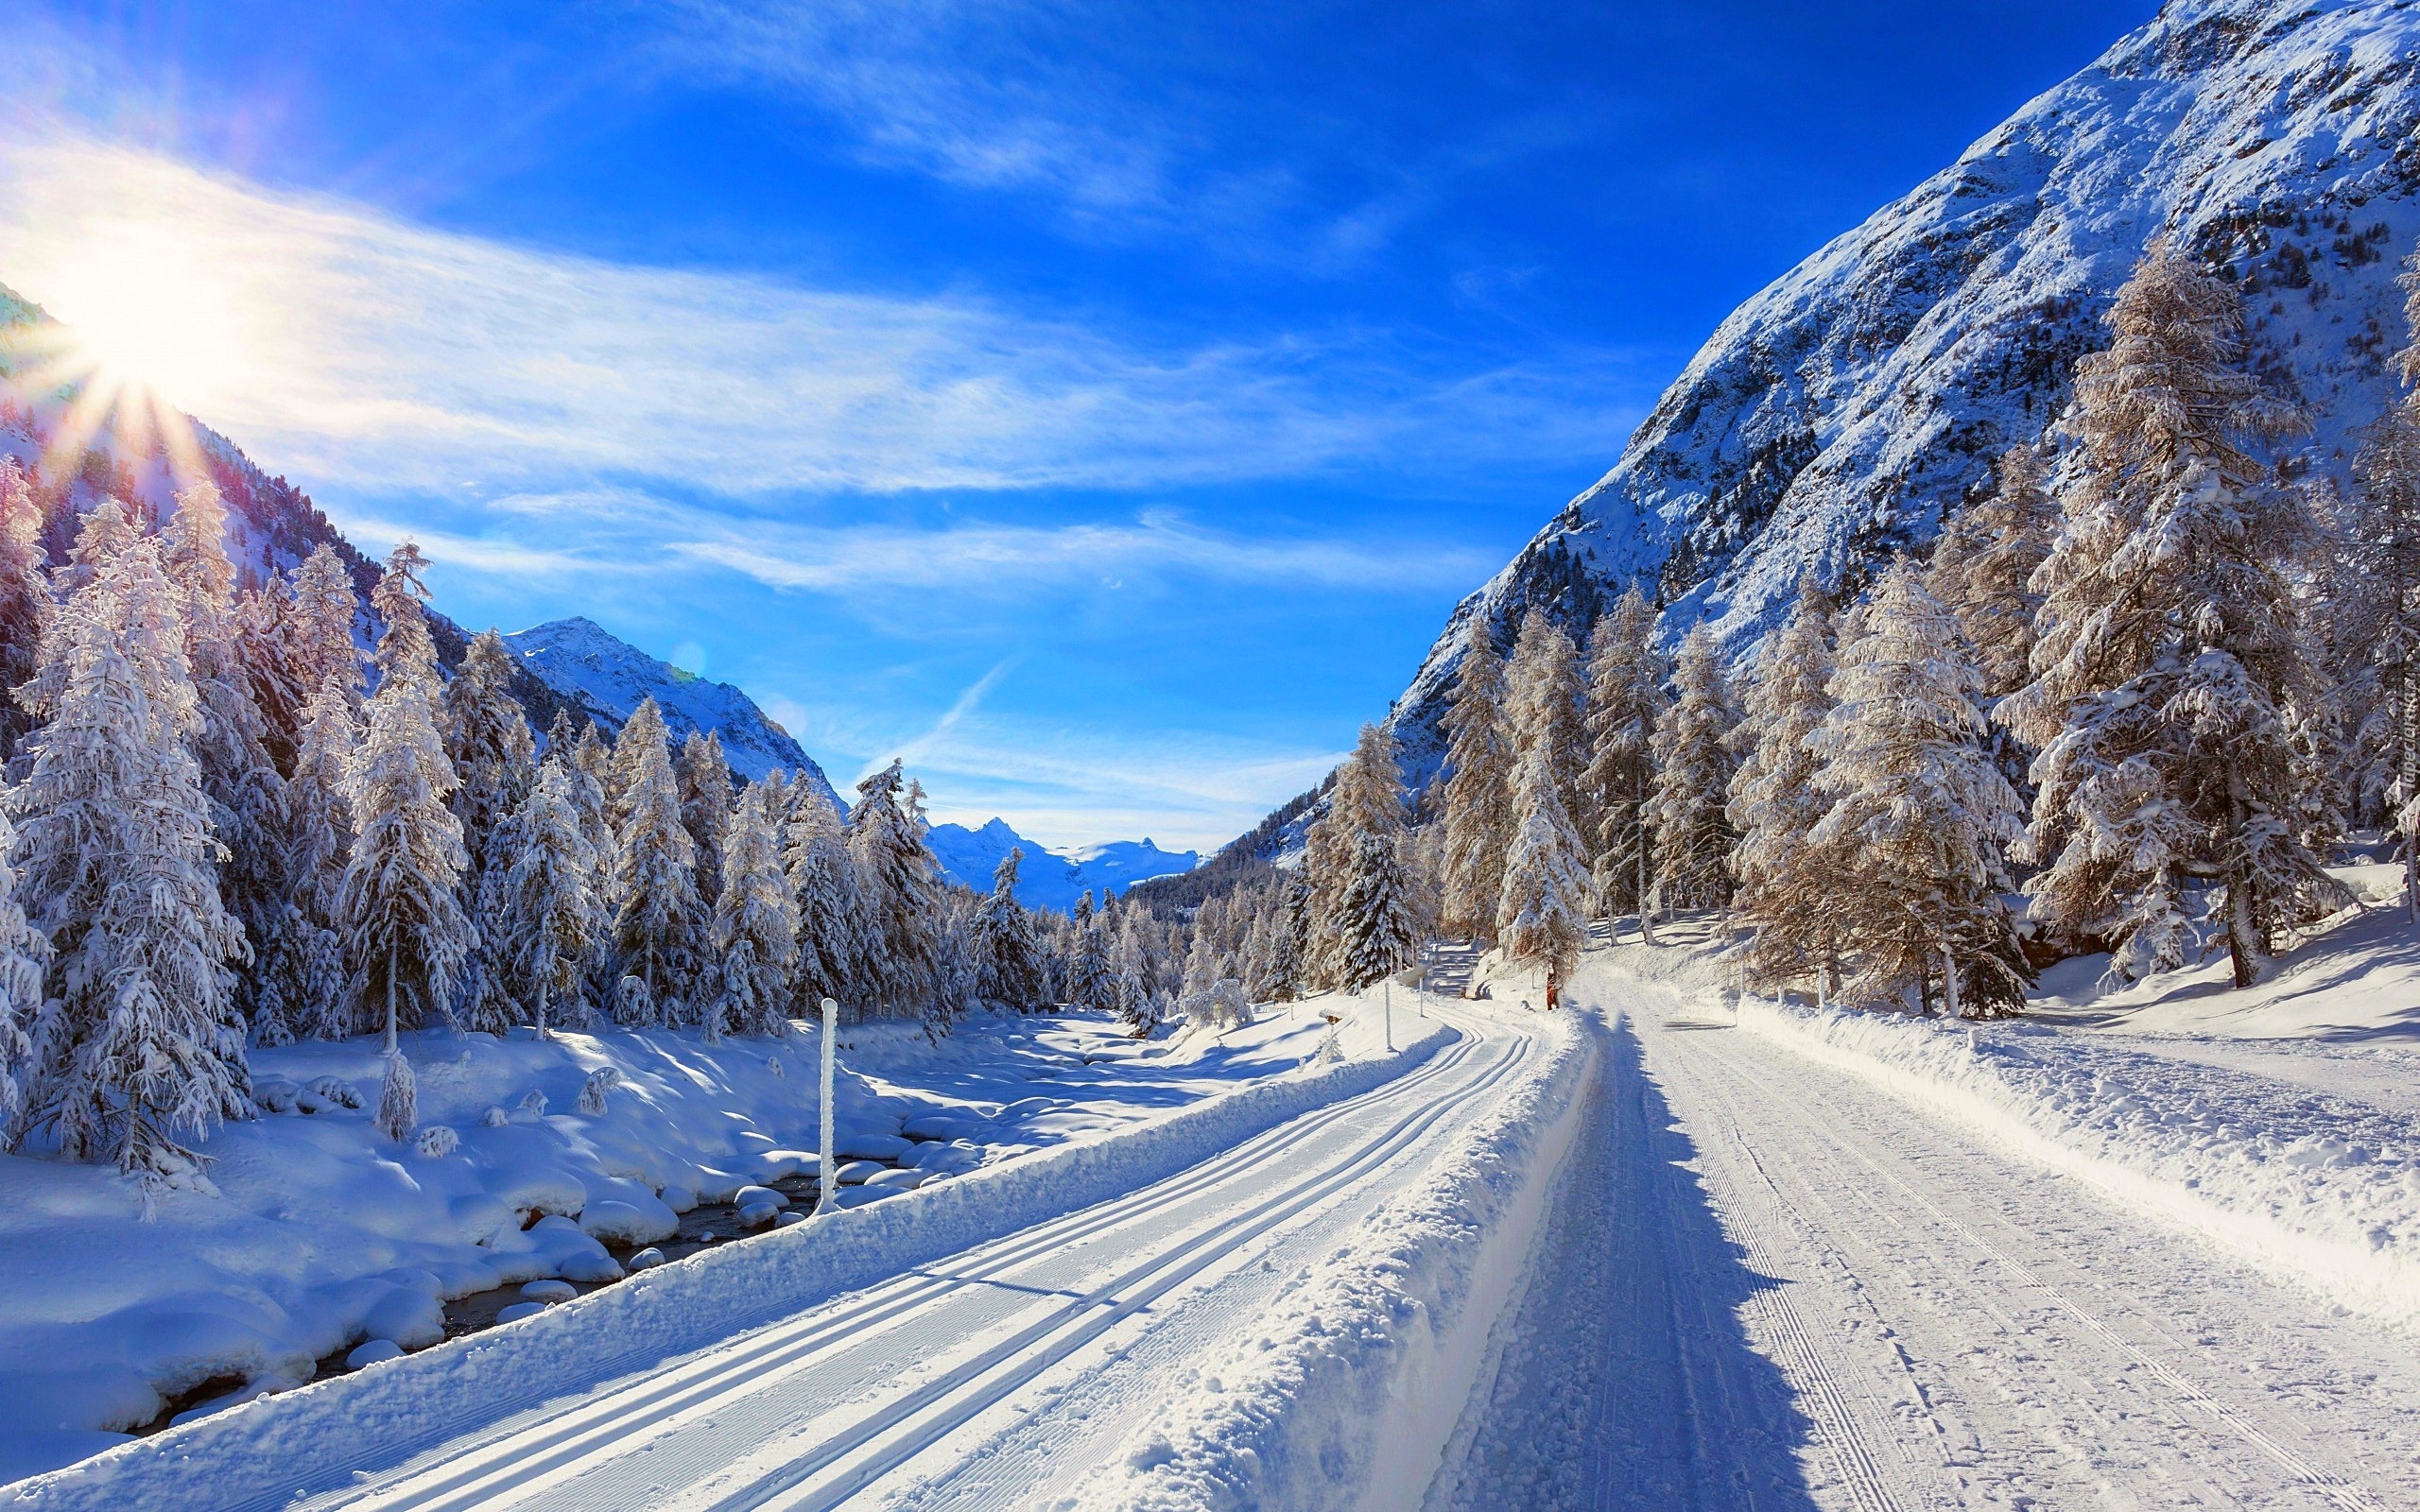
[232, 829]
[2149, 677]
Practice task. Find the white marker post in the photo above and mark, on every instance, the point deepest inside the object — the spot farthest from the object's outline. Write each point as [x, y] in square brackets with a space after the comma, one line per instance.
[823, 1182]
[1387, 997]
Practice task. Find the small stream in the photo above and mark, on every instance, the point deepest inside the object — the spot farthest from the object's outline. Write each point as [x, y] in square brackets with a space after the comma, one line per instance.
[704, 1227]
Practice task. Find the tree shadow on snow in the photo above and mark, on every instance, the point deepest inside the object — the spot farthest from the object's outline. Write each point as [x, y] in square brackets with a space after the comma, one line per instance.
[1692, 1415]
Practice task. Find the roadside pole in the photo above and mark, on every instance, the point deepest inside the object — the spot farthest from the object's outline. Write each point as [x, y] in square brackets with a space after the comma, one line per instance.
[1387, 998]
[823, 1182]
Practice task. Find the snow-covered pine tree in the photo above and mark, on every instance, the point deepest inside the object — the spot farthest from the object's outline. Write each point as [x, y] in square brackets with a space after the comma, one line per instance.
[1254, 966]
[822, 882]
[397, 1111]
[246, 796]
[2170, 656]
[321, 617]
[108, 529]
[1478, 816]
[1289, 918]
[24, 954]
[25, 599]
[488, 738]
[1543, 693]
[755, 921]
[140, 1044]
[1689, 811]
[1090, 985]
[658, 922]
[956, 970]
[319, 832]
[705, 807]
[2377, 610]
[1205, 963]
[404, 927]
[1982, 566]
[1137, 981]
[898, 891]
[1783, 879]
[584, 758]
[265, 640]
[1007, 959]
[549, 917]
[1374, 915]
[1919, 817]
[1367, 800]
[1543, 919]
[1626, 675]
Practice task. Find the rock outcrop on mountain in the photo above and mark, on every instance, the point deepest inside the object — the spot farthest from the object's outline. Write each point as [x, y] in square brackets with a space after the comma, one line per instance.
[1834, 418]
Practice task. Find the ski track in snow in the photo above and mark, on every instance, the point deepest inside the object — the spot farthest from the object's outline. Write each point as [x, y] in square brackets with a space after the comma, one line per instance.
[970, 1381]
[1768, 1285]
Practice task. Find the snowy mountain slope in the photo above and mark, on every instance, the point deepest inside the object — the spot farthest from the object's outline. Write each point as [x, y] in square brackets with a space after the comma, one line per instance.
[607, 678]
[1831, 418]
[1047, 878]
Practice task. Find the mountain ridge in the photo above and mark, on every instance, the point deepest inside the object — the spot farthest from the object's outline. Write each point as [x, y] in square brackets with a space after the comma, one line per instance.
[1836, 416]
[968, 856]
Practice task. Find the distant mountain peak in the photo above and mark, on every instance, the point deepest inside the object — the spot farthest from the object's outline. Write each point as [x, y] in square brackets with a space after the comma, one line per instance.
[1047, 878]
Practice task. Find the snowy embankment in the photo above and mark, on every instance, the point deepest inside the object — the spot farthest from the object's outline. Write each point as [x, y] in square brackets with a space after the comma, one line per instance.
[318, 1434]
[2320, 1191]
[1339, 1395]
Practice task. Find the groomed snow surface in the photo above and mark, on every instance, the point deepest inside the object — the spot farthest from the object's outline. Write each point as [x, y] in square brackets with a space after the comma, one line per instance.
[1670, 1249]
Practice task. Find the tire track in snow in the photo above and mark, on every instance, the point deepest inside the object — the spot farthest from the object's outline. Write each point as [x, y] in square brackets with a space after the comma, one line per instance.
[1780, 1088]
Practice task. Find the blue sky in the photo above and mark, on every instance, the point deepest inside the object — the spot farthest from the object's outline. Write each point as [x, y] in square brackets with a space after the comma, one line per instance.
[1102, 405]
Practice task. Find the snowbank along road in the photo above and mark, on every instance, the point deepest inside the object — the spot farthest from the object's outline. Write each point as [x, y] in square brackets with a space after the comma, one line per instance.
[1684, 1265]
[978, 1380]
[1768, 1285]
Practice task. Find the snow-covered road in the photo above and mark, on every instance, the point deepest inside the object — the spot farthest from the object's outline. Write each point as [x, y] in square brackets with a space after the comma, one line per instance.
[1767, 1283]
[979, 1381]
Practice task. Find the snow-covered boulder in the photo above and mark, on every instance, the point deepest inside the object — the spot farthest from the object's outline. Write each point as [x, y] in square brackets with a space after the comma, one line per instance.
[629, 1222]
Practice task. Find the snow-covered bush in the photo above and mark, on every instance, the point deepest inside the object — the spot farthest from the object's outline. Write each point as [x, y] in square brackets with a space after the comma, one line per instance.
[1222, 1006]
[436, 1142]
[593, 1091]
[337, 1092]
[533, 1103]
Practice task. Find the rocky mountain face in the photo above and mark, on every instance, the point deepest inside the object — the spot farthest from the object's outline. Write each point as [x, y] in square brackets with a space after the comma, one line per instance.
[1047, 877]
[1835, 418]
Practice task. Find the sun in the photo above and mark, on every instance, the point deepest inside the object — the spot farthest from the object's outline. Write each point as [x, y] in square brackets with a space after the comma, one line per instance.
[136, 333]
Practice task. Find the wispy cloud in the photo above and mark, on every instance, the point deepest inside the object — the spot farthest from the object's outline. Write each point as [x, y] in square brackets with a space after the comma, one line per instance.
[1018, 557]
[1079, 788]
[354, 348]
[1022, 94]
[963, 705]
